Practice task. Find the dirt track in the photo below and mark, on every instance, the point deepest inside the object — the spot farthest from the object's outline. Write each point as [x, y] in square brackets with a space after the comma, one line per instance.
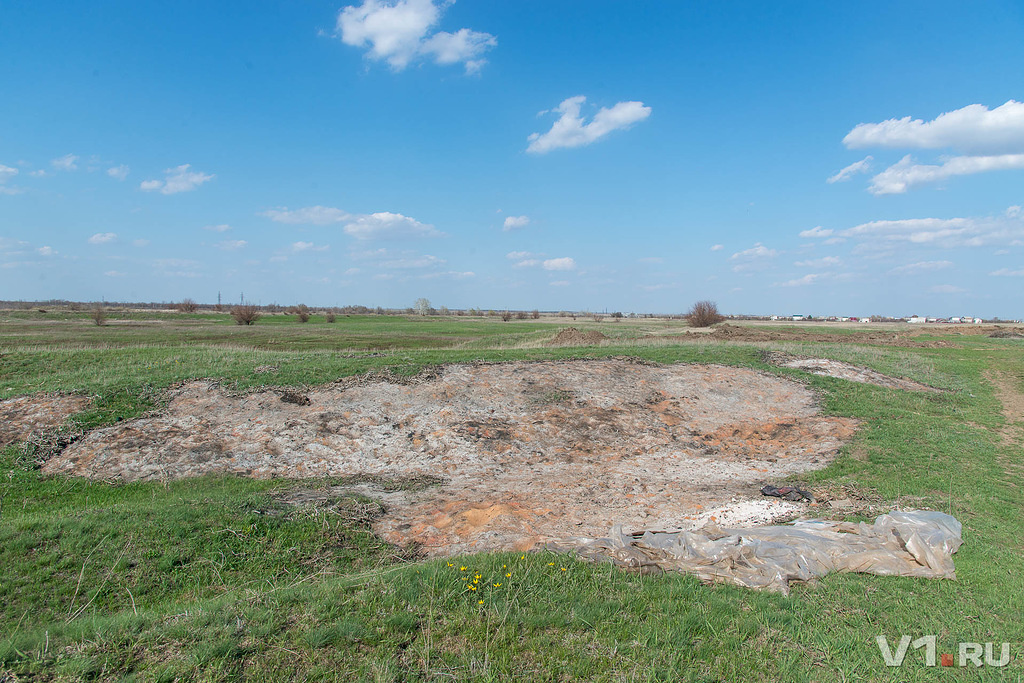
[527, 451]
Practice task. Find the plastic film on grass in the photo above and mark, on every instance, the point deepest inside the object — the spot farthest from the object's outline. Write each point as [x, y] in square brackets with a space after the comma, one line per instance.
[912, 543]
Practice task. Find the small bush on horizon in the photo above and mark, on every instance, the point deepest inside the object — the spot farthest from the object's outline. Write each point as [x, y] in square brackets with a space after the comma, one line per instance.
[188, 306]
[99, 315]
[704, 314]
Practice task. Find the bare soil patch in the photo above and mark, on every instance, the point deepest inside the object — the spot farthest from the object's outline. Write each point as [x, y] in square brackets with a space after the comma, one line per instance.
[855, 373]
[28, 418]
[572, 336]
[527, 452]
[743, 333]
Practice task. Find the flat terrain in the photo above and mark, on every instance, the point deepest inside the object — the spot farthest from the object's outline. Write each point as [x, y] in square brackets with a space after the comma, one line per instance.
[221, 570]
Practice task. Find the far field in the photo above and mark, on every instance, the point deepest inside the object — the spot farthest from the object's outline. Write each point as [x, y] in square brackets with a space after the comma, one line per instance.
[219, 578]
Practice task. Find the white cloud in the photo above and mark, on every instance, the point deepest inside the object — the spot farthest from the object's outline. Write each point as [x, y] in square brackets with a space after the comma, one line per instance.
[1006, 272]
[387, 225]
[140, 243]
[856, 167]
[1013, 211]
[7, 172]
[946, 289]
[972, 128]
[563, 263]
[310, 215]
[231, 245]
[516, 223]
[38, 173]
[118, 172]
[223, 227]
[823, 262]
[454, 274]
[527, 263]
[46, 251]
[717, 247]
[808, 279]
[816, 232]
[757, 251]
[570, 131]
[906, 174]
[114, 273]
[103, 237]
[399, 33]
[425, 261]
[380, 225]
[921, 267]
[177, 179]
[941, 232]
[305, 246]
[519, 255]
[68, 162]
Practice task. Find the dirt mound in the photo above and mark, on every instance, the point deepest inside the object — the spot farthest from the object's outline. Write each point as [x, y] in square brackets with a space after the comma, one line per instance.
[31, 417]
[854, 373]
[527, 451]
[571, 336]
[1008, 333]
[877, 337]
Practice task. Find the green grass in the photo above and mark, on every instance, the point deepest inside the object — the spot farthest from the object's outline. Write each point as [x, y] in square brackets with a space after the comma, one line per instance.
[217, 579]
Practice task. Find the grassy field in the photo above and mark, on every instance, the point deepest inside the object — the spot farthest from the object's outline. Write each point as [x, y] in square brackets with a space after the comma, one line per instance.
[216, 579]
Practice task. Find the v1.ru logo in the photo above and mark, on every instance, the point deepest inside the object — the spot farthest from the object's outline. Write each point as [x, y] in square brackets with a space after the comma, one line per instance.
[967, 652]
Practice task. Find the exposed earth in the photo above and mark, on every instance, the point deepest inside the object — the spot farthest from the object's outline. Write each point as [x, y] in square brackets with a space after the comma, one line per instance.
[524, 452]
[27, 418]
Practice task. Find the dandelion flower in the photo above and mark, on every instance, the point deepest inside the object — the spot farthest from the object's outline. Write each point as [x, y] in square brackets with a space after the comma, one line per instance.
[564, 569]
[497, 585]
[479, 602]
[509, 575]
[551, 564]
[462, 569]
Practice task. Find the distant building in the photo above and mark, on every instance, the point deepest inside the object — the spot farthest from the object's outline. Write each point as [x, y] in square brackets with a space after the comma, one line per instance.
[916, 319]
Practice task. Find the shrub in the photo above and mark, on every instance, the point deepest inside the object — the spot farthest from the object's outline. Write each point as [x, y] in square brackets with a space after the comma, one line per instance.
[188, 306]
[330, 317]
[704, 314]
[506, 316]
[99, 315]
[302, 313]
[535, 315]
[520, 315]
[245, 314]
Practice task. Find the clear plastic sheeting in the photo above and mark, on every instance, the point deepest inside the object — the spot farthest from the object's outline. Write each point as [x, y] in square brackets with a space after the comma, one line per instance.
[912, 543]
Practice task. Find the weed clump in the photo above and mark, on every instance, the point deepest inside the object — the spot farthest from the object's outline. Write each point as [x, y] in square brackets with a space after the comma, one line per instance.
[99, 315]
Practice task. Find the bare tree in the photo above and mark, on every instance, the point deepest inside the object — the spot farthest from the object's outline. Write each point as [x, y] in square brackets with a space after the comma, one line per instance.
[245, 314]
[99, 315]
[188, 306]
[422, 306]
[704, 314]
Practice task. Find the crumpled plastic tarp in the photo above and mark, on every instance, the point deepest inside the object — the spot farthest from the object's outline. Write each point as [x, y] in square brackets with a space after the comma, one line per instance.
[911, 543]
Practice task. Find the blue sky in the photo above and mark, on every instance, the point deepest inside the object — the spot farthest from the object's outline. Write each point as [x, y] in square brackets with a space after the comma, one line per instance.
[821, 158]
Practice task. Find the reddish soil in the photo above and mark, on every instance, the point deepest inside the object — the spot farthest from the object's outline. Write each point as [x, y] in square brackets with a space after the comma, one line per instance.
[527, 452]
[25, 418]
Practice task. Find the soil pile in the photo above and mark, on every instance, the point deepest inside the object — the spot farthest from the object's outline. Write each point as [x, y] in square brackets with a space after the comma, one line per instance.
[854, 373]
[571, 336]
[527, 452]
[27, 418]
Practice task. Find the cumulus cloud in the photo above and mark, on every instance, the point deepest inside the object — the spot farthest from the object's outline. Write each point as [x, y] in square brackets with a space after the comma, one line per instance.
[906, 174]
[68, 162]
[7, 172]
[570, 130]
[380, 225]
[118, 172]
[755, 252]
[717, 247]
[817, 232]
[516, 223]
[177, 179]
[862, 166]
[46, 251]
[401, 32]
[414, 262]
[231, 245]
[972, 128]
[527, 263]
[103, 238]
[946, 233]
[921, 267]
[387, 225]
[563, 263]
[1006, 272]
[808, 279]
[946, 289]
[310, 215]
[823, 262]
[308, 246]
[519, 255]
